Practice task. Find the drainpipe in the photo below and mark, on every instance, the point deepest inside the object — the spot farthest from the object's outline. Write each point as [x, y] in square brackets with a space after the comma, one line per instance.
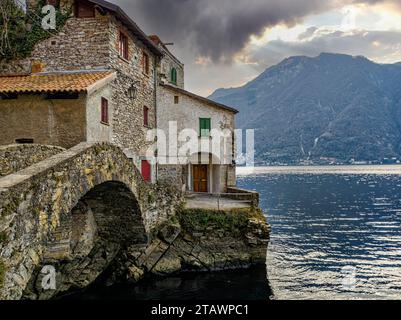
[156, 82]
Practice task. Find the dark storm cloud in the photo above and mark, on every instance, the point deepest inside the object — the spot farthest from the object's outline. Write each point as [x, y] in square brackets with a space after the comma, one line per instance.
[218, 29]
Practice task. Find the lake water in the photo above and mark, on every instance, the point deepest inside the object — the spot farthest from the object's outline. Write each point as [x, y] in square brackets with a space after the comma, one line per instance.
[336, 231]
[336, 234]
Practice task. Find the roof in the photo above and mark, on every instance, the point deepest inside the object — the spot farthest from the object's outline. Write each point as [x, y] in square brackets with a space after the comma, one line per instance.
[53, 82]
[199, 98]
[129, 23]
[158, 42]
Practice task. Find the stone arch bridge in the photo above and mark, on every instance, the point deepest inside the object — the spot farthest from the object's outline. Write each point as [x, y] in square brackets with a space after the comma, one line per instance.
[76, 210]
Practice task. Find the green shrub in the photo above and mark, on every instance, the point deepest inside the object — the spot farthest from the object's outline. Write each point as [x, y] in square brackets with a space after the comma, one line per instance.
[3, 237]
[234, 221]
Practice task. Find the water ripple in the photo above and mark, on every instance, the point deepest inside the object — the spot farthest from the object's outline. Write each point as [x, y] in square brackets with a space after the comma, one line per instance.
[335, 235]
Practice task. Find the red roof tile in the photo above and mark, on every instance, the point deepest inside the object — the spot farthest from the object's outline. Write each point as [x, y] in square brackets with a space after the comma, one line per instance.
[47, 83]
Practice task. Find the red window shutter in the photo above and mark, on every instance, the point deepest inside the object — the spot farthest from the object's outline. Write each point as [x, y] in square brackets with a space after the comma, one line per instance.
[146, 116]
[126, 56]
[145, 62]
[84, 9]
[123, 46]
[146, 170]
[105, 111]
[53, 3]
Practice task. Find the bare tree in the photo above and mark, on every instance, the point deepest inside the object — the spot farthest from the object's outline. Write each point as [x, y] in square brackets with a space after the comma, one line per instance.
[5, 16]
[12, 24]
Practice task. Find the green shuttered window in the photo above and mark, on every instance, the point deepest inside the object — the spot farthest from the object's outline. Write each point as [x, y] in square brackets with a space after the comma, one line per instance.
[174, 76]
[205, 127]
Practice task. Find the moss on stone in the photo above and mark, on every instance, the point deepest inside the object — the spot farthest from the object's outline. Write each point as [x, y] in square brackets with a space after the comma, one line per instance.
[233, 221]
[2, 273]
[9, 209]
[3, 237]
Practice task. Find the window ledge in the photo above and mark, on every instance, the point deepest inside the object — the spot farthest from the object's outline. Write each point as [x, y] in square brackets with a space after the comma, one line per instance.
[105, 123]
[123, 59]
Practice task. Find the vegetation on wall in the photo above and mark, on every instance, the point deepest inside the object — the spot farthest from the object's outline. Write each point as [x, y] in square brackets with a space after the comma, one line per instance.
[234, 221]
[3, 237]
[20, 31]
[2, 273]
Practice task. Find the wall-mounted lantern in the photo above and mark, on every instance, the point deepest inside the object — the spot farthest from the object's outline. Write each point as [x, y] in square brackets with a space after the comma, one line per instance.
[133, 90]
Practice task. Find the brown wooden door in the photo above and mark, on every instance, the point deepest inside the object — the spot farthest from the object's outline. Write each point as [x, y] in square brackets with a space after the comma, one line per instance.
[200, 178]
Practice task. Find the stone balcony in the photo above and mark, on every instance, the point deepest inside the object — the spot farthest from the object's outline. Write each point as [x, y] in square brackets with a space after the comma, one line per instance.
[234, 199]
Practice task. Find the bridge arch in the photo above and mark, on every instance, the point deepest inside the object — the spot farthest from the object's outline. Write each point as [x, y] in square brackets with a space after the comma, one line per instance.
[38, 202]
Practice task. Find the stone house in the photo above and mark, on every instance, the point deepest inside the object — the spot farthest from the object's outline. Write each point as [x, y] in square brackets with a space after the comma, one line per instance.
[207, 166]
[101, 78]
[59, 109]
[97, 37]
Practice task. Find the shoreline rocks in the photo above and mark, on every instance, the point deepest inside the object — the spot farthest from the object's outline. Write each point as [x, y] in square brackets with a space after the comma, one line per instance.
[205, 240]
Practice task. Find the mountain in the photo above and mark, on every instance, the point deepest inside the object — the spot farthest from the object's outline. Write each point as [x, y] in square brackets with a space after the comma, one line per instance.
[331, 106]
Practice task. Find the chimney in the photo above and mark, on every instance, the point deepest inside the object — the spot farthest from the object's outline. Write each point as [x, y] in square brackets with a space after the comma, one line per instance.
[37, 66]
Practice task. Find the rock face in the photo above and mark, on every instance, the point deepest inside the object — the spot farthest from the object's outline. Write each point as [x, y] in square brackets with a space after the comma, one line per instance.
[331, 106]
[204, 240]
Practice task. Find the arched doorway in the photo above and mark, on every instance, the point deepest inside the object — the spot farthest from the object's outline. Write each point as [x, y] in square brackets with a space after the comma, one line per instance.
[204, 173]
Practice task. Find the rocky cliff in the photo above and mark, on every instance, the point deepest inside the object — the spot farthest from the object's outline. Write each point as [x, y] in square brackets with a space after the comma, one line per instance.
[205, 240]
[198, 241]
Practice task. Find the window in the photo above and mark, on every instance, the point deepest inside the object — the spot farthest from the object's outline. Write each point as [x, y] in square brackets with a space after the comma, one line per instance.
[145, 63]
[105, 111]
[123, 46]
[53, 3]
[176, 99]
[8, 96]
[205, 127]
[24, 141]
[174, 76]
[146, 171]
[146, 116]
[84, 9]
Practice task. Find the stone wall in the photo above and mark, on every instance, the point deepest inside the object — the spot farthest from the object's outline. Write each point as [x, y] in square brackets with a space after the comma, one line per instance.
[169, 62]
[34, 200]
[16, 157]
[242, 194]
[48, 122]
[173, 173]
[81, 45]
[129, 131]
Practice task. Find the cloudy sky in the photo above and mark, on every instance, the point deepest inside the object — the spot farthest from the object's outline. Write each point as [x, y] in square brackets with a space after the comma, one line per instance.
[226, 43]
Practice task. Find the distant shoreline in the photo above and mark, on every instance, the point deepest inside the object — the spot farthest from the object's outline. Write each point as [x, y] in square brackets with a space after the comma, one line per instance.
[393, 169]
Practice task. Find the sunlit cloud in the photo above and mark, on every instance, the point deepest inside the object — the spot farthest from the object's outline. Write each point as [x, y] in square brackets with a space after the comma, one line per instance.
[203, 61]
